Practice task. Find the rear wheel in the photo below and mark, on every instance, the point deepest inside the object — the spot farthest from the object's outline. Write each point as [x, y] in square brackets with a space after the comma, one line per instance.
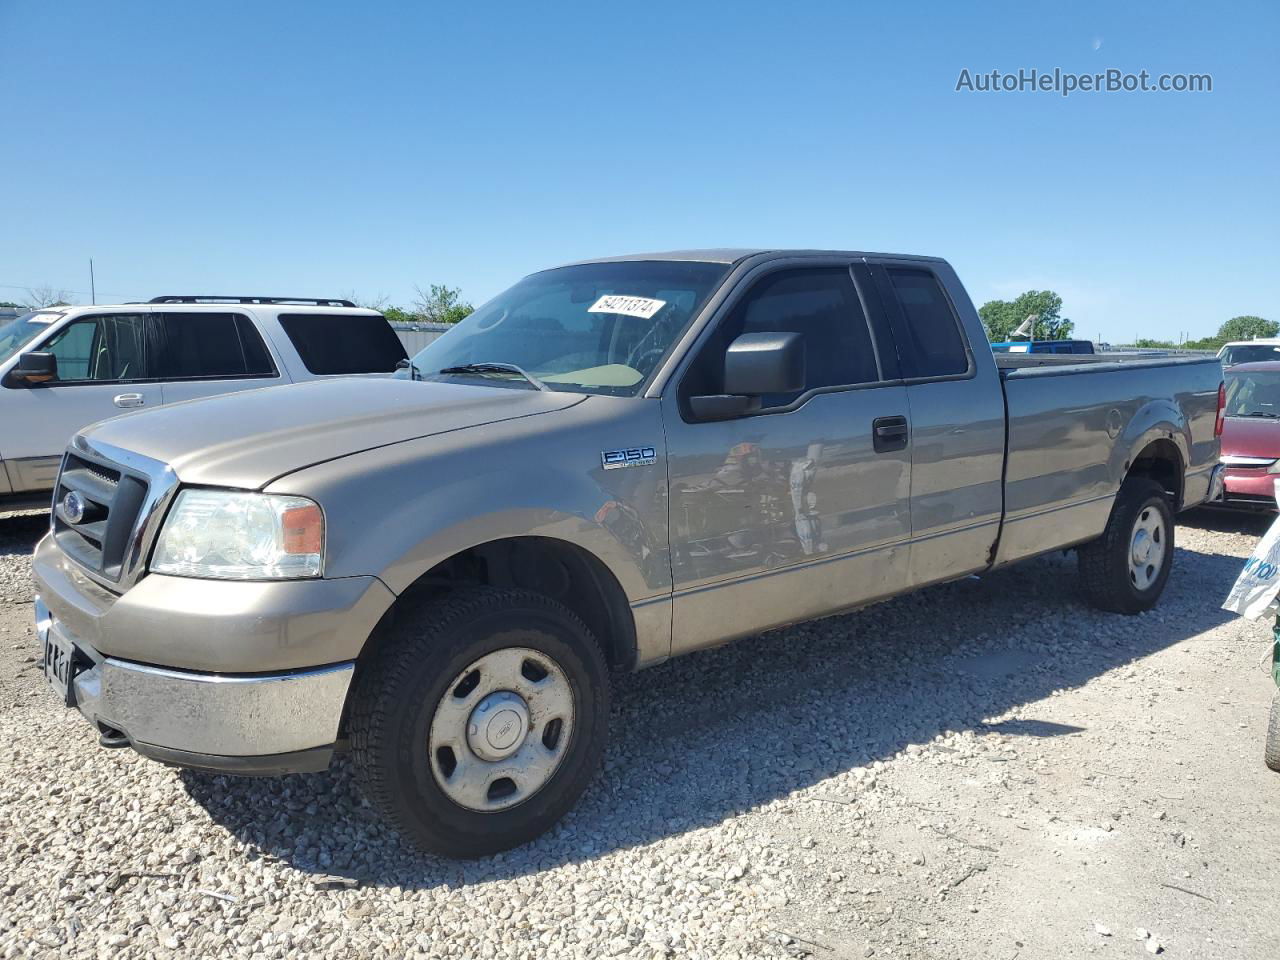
[1125, 570]
[480, 720]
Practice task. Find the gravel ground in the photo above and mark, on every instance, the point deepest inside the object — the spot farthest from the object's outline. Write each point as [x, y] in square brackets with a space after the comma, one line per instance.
[987, 769]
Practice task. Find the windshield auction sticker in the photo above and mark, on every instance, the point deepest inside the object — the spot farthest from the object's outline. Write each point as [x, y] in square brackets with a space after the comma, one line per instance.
[641, 307]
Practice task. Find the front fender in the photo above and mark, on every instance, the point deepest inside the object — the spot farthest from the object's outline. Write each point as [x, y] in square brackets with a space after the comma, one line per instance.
[395, 512]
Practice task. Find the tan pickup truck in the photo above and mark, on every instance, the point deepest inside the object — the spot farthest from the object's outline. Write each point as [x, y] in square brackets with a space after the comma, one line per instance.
[609, 464]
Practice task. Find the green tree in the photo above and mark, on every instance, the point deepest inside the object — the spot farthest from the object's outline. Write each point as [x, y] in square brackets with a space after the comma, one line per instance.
[440, 304]
[1148, 342]
[398, 315]
[1247, 327]
[1002, 317]
[1207, 343]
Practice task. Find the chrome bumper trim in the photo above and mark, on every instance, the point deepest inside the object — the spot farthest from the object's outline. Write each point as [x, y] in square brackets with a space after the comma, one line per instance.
[1233, 460]
[205, 713]
[209, 713]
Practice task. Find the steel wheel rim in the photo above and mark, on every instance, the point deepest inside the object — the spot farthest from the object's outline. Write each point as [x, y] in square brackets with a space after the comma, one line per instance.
[1148, 547]
[501, 729]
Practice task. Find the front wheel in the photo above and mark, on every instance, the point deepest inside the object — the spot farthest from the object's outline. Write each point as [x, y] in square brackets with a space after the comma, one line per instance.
[480, 720]
[1125, 569]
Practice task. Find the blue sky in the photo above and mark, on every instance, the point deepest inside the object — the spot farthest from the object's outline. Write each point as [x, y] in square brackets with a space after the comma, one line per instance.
[319, 148]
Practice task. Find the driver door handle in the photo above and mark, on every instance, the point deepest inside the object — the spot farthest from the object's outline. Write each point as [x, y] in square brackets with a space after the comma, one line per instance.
[889, 433]
[129, 400]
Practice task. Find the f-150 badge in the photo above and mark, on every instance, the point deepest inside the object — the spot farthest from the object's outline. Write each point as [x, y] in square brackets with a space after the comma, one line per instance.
[630, 457]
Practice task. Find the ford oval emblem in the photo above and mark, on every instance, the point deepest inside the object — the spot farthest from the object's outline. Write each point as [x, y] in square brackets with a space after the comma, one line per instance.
[73, 507]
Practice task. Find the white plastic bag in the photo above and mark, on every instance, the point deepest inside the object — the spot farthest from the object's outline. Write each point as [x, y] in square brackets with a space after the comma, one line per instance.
[1256, 589]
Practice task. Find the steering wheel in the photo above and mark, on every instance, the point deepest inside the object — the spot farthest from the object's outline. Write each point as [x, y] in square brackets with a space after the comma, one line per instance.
[639, 354]
[641, 363]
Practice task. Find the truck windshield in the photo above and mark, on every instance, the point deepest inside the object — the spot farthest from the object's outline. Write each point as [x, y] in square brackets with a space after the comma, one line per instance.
[591, 328]
[17, 333]
[1253, 393]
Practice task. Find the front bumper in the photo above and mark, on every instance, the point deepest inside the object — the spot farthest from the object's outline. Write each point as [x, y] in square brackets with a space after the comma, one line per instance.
[240, 690]
[248, 724]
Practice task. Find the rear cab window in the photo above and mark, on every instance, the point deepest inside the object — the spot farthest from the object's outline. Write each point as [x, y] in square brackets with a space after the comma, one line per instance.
[338, 343]
[930, 339]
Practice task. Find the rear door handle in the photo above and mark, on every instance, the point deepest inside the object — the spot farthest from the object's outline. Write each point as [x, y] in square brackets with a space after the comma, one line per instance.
[889, 433]
[129, 400]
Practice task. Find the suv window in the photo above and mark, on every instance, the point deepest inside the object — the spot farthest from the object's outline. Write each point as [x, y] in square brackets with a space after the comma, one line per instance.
[344, 343]
[207, 345]
[935, 345]
[822, 304]
[107, 348]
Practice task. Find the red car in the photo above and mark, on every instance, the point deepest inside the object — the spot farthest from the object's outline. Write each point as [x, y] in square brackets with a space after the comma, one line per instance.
[1251, 435]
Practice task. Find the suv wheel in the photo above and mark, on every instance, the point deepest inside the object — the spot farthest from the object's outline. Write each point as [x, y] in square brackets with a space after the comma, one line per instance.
[480, 720]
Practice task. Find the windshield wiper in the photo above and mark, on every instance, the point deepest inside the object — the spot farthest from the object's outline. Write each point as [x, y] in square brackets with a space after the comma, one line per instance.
[495, 367]
[1262, 413]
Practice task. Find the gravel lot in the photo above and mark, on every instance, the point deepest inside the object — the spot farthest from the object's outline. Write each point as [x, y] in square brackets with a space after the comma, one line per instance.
[987, 769]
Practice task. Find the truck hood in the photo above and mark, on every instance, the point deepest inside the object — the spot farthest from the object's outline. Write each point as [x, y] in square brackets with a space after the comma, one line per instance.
[248, 439]
[1251, 437]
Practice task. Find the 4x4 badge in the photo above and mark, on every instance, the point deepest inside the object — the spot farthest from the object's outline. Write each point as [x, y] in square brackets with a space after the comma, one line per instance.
[630, 457]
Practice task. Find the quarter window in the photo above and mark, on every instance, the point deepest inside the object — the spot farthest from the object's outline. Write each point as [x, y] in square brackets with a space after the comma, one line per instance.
[935, 346]
[819, 303]
[331, 343]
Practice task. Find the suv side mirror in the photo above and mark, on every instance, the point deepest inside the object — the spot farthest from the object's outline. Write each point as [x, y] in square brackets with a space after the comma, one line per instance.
[35, 368]
[754, 365]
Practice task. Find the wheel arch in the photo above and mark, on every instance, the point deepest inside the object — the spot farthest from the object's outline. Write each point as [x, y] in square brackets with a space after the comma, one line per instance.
[1156, 443]
[1162, 461]
[556, 568]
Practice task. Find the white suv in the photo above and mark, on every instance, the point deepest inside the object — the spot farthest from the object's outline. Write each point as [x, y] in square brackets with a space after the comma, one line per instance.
[64, 368]
[1249, 351]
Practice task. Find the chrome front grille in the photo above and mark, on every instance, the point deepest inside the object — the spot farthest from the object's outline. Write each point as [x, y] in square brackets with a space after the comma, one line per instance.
[111, 499]
[118, 495]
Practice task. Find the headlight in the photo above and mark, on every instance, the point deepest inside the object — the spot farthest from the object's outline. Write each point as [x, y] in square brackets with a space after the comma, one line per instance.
[230, 535]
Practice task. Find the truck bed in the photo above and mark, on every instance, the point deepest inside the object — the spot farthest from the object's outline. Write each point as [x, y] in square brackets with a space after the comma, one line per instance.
[1021, 361]
[1075, 428]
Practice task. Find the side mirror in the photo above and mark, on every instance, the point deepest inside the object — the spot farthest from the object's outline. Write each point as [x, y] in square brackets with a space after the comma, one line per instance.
[754, 365]
[35, 368]
[760, 363]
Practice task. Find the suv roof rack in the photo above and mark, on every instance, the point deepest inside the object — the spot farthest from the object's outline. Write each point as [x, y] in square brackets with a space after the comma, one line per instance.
[219, 298]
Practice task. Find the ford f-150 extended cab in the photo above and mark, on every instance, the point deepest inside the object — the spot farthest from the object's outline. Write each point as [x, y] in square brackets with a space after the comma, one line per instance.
[612, 463]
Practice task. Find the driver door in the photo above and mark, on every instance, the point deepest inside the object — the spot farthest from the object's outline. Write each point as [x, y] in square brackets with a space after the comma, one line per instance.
[801, 507]
[101, 373]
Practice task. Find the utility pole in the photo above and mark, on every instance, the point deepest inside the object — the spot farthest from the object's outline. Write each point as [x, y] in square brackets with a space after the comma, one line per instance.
[93, 291]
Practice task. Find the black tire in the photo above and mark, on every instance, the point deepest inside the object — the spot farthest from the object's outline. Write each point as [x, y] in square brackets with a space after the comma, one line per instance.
[1104, 567]
[415, 665]
[1272, 752]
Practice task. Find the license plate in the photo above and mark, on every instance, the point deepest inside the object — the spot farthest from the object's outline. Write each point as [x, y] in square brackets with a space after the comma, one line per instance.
[58, 655]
